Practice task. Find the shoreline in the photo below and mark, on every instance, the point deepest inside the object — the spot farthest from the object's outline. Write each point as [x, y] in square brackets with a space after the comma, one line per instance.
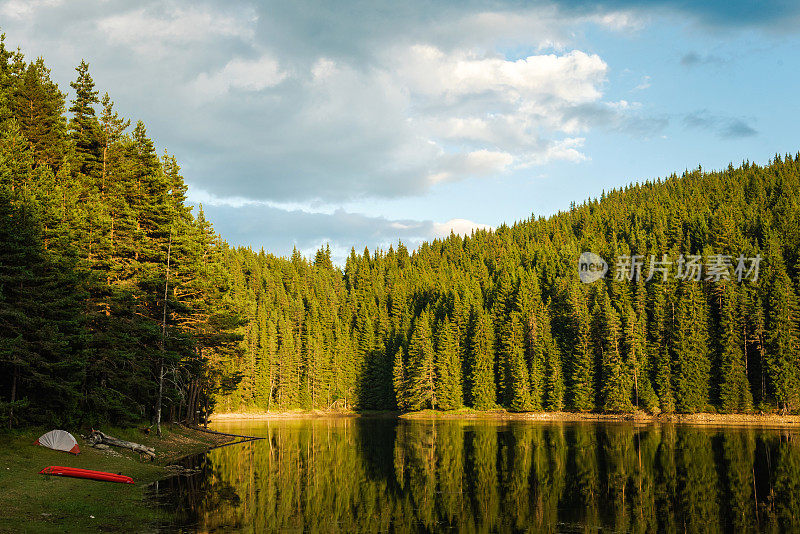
[706, 419]
[292, 414]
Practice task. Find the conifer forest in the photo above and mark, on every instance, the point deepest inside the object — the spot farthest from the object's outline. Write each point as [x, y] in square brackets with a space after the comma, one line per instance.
[120, 303]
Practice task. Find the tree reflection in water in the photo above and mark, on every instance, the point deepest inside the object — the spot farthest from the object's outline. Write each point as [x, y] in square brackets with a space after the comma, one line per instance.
[387, 475]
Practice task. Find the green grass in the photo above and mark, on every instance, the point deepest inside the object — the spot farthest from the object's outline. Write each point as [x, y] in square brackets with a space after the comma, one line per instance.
[30, 502]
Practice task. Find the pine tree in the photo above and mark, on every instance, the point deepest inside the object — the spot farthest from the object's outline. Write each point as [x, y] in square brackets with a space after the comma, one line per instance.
[288, 378]
[661, 322]
[112, 127]
[517, 387]
[38, 106]
[544, 377]
[11, 64]
[84, 127]
[783, 340]
[448, 368]
[734, 390]
[482, 393]
[638, 351]
[399, 380]
[421, 378]
[756, 339]
[322, 258]
[553, 371]
[691, 356]
[616, 380]
[581, 391]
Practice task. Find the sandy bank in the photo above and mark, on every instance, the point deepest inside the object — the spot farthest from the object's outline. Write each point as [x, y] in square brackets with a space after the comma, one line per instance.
[291, 414]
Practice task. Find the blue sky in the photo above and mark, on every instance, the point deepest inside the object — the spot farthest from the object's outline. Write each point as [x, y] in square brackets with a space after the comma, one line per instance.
[361, 123]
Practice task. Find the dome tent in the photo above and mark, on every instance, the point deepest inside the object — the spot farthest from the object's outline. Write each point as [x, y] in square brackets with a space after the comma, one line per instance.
[59, 440]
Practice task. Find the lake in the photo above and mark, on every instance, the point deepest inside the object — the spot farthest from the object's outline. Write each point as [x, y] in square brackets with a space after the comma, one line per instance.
[395, 475]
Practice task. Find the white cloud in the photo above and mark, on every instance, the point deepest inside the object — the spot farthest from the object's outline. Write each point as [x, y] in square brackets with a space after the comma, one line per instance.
[152, 29]
[623, 21]
[513, 105]
[623, 105]
[488, 161]
[462, 128]
[457, 226]
[481, 162]
[461, 115]
[567, 149]
[541, 26]
[417, 116]
[644, 84]
[22, 9]
[323, 69]
[572, 77]
[197, 196]
[247, 75]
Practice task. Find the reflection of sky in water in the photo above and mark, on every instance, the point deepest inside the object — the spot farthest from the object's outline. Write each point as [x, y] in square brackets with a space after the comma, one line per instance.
[382, 475]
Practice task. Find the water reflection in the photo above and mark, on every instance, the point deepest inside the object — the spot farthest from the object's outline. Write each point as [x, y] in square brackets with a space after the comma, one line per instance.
[384, 475]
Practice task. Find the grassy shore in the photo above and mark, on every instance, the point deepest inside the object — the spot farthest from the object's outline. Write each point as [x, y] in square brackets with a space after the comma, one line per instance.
[30, 502]
[770, 420]
[297, 413]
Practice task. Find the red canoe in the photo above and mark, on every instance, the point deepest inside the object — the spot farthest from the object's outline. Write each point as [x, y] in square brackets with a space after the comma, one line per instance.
[85, 473]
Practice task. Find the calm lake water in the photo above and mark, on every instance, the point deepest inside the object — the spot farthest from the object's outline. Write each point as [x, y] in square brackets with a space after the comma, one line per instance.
[387, 475]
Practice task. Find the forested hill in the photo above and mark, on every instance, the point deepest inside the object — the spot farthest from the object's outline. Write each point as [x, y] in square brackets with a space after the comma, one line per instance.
[502, 318]
[117, 298]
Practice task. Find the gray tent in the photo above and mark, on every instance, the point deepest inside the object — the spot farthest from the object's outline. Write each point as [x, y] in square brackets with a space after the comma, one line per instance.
[59, 440]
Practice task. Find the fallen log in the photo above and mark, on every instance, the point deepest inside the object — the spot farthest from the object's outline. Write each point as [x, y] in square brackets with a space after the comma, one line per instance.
[97, 437]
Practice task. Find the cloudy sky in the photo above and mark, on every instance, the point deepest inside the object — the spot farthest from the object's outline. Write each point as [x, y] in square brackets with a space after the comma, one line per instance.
[361, 123]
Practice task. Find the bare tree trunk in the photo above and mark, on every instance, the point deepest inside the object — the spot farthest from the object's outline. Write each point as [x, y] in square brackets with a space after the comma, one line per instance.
[271, 385]
[103, 182]
[189, 403]
[13, 396]
[163, 338]
[191, 415]
[196, 402]
[205, 409]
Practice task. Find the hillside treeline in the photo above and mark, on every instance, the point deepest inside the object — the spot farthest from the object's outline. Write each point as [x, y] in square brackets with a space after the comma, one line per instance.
[113, 299]
[501, 318]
